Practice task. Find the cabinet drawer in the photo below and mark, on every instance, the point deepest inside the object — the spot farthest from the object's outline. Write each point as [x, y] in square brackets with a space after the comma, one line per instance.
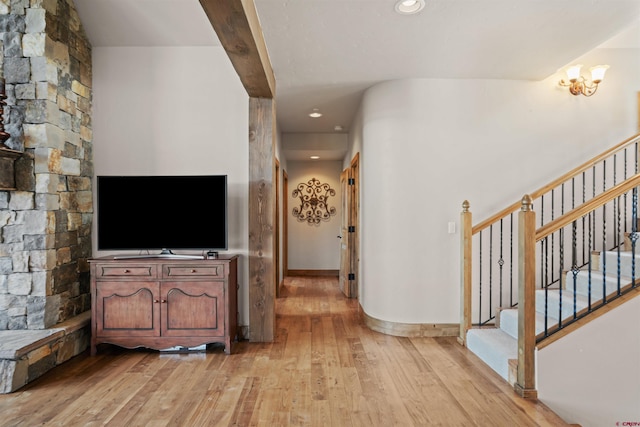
[137, 271]
[193, 271]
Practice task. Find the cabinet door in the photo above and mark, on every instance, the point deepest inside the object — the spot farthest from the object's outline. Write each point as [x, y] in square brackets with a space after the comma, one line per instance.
[193, 309]
[127, 309]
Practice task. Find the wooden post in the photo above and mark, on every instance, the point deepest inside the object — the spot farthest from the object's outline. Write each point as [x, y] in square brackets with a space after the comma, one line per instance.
[465, 272]
[238, 28]
[526, 383]
[262, 209]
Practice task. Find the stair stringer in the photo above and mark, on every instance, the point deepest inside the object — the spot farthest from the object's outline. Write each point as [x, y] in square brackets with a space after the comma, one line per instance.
[590, 376]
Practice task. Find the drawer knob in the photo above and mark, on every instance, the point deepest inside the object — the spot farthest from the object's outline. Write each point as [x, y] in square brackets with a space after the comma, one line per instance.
[163, 301]
[127, 271]
[194, 270]
[156, 301]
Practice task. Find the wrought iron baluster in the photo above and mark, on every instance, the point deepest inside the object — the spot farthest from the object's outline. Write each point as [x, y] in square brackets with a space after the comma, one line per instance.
[616, 202]
[574, 265]
[501, 260]
[562, 199]
[604, 175]
[634, 233]
[542, 245]
[589, 268]
[604, 233]
[553, 246]
[602, 258]
[625, 163]
[634, 219]
[561, 250]
[625, 222]
[573, 193]
[545, 250]
[490, 271]
[585, 249]
[480, 281]
[616, 214]
[616, 237]
[593, 194]
[511, 262]
[625, 213]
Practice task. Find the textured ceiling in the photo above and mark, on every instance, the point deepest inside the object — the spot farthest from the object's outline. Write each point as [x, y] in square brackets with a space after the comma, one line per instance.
[325, 53]
[146, 23]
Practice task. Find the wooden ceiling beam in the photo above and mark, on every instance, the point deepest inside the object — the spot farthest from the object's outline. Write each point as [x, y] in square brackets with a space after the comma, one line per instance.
[237, 25]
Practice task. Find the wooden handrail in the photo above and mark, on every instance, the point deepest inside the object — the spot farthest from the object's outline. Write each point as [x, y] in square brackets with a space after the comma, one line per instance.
[553, 184]
[587, 207]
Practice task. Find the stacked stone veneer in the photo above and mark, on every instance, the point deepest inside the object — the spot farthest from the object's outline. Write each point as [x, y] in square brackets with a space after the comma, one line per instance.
[45, 225]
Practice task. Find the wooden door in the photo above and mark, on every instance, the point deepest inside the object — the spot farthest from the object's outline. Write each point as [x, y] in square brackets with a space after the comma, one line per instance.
[345, 262]
[354, 213]
[349, 237]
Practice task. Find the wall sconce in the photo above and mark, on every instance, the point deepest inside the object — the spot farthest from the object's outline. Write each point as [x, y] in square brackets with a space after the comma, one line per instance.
[579, 85]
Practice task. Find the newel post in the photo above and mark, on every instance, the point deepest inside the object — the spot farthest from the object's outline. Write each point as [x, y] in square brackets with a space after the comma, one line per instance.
[465, 272]
[526, 382]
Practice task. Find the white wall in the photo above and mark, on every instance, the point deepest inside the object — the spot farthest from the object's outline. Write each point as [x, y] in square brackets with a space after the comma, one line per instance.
[175, 110]
[591, 377]
[314, 247]
[429, 144]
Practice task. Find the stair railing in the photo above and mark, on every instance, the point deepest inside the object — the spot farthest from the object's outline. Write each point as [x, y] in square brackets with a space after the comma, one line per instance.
[598, 224]
[489, 251]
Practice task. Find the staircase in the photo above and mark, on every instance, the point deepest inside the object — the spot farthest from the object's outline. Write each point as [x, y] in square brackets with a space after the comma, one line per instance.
[560, 268]
[607, 273]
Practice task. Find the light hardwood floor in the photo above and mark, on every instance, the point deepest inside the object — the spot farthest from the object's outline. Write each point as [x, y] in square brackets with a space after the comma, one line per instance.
[324, 369]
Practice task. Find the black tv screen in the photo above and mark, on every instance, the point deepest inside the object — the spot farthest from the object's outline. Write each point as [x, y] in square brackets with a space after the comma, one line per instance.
[162, 212]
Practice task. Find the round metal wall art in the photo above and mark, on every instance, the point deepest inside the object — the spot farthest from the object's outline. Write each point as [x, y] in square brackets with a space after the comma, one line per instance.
[314, 202]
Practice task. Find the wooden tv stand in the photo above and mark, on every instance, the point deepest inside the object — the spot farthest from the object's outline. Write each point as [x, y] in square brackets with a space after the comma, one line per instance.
[161, 303]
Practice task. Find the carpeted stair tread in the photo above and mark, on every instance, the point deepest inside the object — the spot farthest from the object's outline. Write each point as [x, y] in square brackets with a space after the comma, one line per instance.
[509, 322]
[553, 303]
[495, 347]
[598, 281]
[609, 263]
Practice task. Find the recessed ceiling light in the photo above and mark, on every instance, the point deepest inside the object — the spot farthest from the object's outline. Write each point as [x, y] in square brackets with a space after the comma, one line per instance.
[315, 113]
[408, 7]
[314, 157]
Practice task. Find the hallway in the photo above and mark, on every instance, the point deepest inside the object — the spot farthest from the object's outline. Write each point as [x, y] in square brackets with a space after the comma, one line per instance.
[324, 369]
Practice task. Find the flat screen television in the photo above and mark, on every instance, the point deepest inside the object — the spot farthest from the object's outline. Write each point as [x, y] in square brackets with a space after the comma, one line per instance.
[163, 213]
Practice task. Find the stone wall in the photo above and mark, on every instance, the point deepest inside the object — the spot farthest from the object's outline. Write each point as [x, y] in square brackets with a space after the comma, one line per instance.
[45, 224]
